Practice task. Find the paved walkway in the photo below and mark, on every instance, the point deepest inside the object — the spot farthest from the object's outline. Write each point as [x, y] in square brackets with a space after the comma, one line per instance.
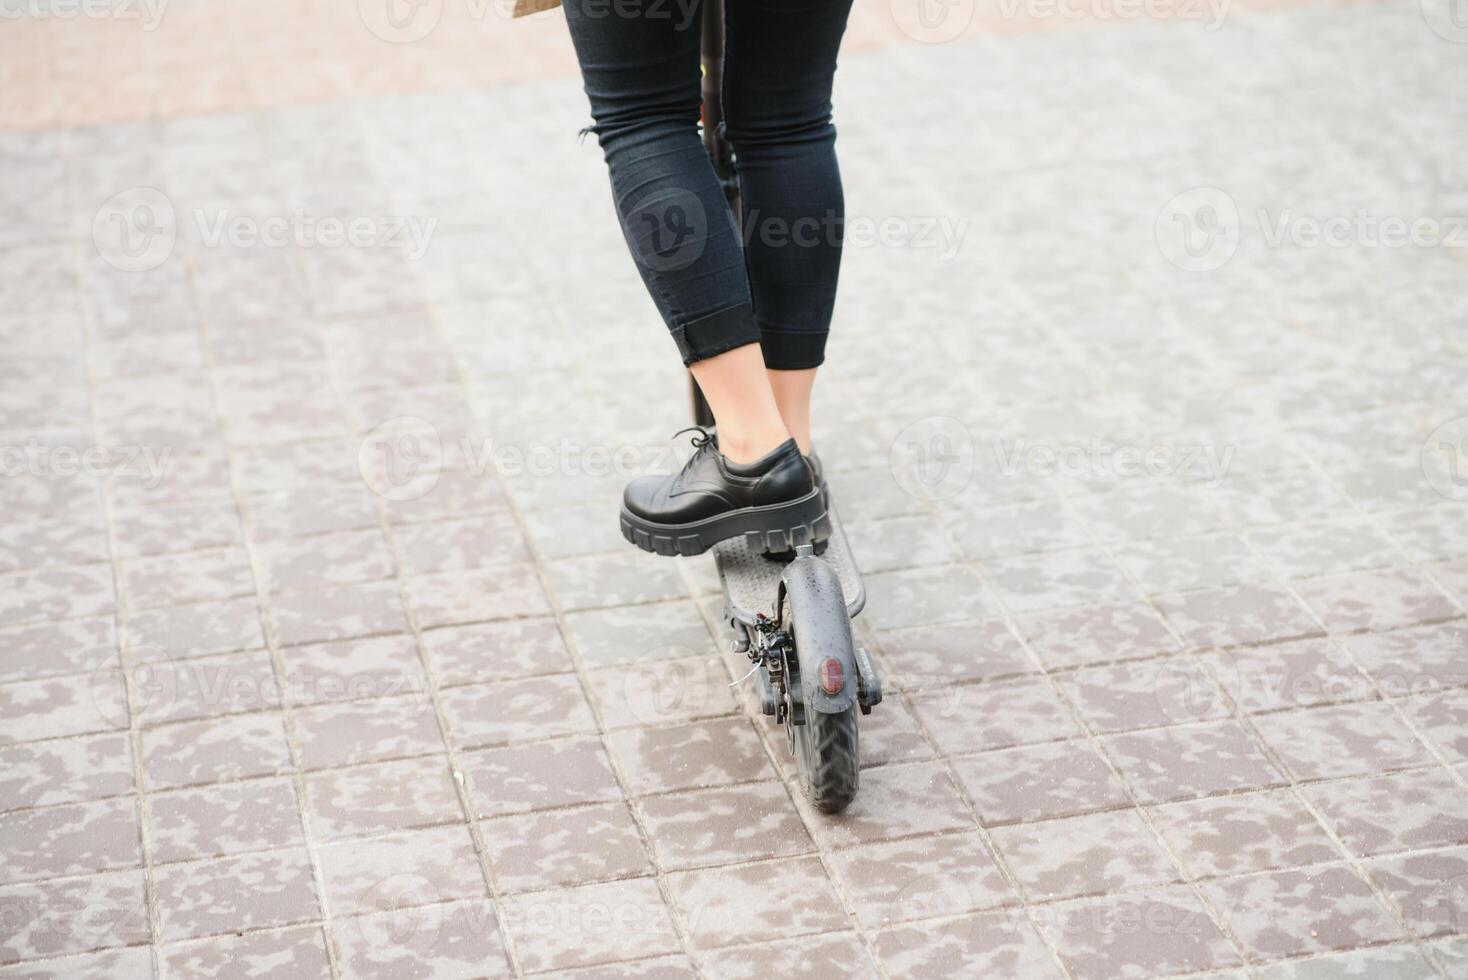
[1146, 411]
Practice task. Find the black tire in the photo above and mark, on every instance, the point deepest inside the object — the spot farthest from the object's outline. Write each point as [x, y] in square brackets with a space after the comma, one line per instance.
[827, 749]
[829, 759]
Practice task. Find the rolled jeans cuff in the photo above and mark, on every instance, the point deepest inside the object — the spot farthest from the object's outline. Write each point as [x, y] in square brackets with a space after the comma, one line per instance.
[788, 350]
[716, 333]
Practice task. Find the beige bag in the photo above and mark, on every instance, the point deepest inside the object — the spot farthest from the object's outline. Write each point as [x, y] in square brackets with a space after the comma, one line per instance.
[523, 7]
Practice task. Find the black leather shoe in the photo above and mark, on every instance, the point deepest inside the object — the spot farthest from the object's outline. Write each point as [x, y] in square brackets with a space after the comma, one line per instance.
[774, 503]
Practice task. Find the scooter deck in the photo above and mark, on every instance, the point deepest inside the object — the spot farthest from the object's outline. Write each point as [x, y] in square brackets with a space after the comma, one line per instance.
[751, 580]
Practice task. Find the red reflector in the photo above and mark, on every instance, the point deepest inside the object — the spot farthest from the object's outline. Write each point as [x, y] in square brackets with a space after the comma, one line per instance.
[831, 680]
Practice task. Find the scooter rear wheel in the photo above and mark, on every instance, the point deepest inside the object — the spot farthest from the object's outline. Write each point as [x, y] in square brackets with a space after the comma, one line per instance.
[827, 754]
[826, 746]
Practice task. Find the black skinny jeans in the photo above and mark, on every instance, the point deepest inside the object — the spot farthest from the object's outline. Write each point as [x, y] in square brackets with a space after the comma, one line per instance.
[640, 66]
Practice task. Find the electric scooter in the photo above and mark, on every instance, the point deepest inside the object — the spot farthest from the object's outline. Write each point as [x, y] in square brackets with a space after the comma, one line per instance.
[791, 614]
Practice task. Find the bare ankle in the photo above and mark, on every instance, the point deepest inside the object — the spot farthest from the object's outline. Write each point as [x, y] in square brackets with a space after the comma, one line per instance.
[744, 446]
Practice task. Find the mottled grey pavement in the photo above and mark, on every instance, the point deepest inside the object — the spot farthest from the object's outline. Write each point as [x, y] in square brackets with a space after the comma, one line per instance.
[334, 664]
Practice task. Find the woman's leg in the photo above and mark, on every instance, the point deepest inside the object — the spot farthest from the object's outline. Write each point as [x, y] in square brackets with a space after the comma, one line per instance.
[640, 68]
[780, 60]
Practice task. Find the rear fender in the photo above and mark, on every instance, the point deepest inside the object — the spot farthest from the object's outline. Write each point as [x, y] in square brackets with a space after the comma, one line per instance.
[822, 629]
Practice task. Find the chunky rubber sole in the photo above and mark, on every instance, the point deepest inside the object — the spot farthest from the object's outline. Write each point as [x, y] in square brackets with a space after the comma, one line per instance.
[773, 527]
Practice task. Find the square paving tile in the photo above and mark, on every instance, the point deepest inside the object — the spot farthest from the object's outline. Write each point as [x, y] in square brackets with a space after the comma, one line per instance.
[349, 670]
[1150, 933]
[496, 651]
[750, 902]
[1322, 548]
[1296, 674]
[1037, 782]
[1096, 634]
[833, 957]
[930, 596]
[1405, 811]
[1191, 562]
[621, 578]
[1345, 740]
[1197, 760]
[220, 820]
[335, 558]
[1398, 962]
[47, 923]
[1084, 855]
[1443, 720]
[1430, 888]
[994, 715]
[516, 711]
[565, 847]
[367, 731]
[1377, 600]
[232, 747]
[380, 798]
[456, 939]
[538, 776]
[1144, 694]
[401, 870]
[937, 655]
[60, 706]
[995, 944]
[713, 752]
[920, 878]
[661, 692]
[299, 951]
[68, 770]
[1237, 615]
[723, 825]
[657, 631]
[77, 838]
[225, 895]
[1415, 660]
[453, 598]
[609, 922]
[1306, 910]
[338, 613]
[1228, 835]
[1051, 579]
[193, 630]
